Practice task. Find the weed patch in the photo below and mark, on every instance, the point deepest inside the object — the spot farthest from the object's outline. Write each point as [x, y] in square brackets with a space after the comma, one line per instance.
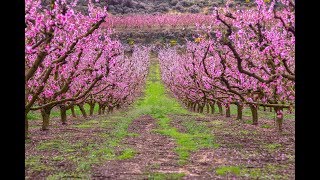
[162, 176]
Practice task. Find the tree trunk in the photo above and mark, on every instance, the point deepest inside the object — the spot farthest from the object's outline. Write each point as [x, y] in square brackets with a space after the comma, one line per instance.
[220, 108]
[82, 110]
[63, 114]
[100, 109]
[201, 107]
[194, 107]
[189, 105]
[279, 118]
[73, 112]
[103, 109]
[212, 108]
[208, 108]
[239, 112]
[45, 113]
[270, 109]
[254, 112]
[91, 108]
[264, 108]
[228, 114]
[110, 109]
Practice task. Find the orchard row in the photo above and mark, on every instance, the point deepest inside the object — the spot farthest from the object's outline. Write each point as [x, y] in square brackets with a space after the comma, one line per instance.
[242, 57]
[70, 60]
[246, 59]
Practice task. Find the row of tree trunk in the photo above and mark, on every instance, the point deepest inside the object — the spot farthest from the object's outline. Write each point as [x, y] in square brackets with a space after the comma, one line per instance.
[210, 108]
[45, 113]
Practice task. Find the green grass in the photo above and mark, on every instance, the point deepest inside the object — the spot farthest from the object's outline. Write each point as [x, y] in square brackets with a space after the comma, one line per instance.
[239, 171]
[34, 163]
[127, 154]
[67, 175]
[159, 105]
[222, 171]
[33, 116]
[248, 121]
[163, 176]
[57, 158]
[60, 145]
[252, 173]
[272, 147]
[83, 126]
[95, 153]
[106, 151]
[217, 123]
[50, 145]
[133, 134]
[89, 124]
[244, 132]
[266, 126]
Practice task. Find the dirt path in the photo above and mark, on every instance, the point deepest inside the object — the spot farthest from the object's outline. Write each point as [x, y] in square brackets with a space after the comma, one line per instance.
[155, 154]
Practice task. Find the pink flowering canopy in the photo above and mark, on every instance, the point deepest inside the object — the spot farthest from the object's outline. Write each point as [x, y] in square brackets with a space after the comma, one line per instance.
[242, 56]
[68, 57]
[246, 56]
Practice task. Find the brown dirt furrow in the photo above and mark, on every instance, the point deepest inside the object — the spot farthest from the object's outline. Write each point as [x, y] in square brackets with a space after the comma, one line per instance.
[154, 153]
[242, 145]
